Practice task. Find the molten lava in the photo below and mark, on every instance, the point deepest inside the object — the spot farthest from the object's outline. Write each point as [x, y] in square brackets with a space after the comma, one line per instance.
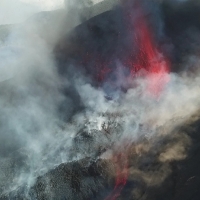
[121, 164]
[148, 58]
[156, 68]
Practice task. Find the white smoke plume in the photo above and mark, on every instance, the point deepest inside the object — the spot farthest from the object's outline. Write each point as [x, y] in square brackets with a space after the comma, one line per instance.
[30, 95]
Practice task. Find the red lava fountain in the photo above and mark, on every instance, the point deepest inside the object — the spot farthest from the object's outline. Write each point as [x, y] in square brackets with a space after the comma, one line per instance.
[149, 58]
[156, 67]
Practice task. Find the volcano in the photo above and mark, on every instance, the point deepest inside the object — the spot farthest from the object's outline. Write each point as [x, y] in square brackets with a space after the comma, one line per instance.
[107, 122]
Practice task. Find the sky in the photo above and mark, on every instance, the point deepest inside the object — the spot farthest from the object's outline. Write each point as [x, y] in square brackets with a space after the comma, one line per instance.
[16, 11]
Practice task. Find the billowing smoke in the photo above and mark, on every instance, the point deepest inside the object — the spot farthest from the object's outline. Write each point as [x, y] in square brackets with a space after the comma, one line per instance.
[30, 97]
[95, 109]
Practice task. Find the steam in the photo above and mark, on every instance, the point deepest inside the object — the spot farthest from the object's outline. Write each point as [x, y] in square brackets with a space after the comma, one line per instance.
[34, 137]
[31, 129]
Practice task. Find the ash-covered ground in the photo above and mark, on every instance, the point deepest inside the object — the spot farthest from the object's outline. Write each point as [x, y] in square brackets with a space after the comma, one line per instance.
[102, 108]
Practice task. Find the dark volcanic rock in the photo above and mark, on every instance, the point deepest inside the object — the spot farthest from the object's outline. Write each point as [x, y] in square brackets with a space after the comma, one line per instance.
[75, 180]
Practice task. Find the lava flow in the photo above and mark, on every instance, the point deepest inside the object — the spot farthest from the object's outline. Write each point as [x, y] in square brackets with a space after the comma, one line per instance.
[121, 164]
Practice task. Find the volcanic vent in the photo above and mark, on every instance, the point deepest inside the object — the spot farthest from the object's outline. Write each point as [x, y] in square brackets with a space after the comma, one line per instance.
[108, 110]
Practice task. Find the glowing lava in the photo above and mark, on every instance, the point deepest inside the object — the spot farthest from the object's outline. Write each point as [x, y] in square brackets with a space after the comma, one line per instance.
[148, 58]
[156, 67]
[121, 164]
